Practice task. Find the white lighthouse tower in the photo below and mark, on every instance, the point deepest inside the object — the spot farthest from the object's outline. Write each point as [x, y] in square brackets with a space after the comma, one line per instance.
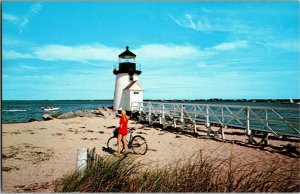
[128, 88]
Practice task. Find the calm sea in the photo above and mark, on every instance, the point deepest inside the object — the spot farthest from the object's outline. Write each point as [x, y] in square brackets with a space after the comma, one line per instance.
[22, 111]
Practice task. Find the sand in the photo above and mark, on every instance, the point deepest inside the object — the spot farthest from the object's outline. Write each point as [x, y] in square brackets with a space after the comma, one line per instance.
[36, 155]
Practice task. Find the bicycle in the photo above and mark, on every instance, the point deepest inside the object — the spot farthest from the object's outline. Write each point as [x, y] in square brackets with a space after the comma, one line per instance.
[137, 143]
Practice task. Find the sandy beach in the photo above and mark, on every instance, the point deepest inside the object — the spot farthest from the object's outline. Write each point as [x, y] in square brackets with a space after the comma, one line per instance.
[36, 155]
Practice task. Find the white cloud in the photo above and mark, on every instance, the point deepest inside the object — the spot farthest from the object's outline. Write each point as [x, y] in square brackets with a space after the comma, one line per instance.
[164, 51]
[22, 22]
[16, 55]
[10, 17]
[291, 45]
[33, 11]
[214, 21]
[189, 21]
[210, 66]
[202, 65]
[230, 45]
[253, 30]
[81, 53]
[13, 42]
[32, 67]
[99, 52]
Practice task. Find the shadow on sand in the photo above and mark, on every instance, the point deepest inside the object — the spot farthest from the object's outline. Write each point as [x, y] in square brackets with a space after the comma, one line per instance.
[287, 150]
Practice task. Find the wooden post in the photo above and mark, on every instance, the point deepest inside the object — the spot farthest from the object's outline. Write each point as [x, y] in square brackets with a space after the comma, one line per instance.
[140, 111]
[181, 112]
[248, 130]
[82, 157]
[222, 132]
[265, 139]
[181, 117]
[149, 109]
[222, 127]
[207, 116]
[163, 117]
[175, 126]
[222, 111]
[266, 136]
[194, 126]
[208, 130]
[266, 118]
[207, 124]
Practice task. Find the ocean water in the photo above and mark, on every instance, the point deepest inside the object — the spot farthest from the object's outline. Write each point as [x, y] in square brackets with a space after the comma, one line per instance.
[22, 111]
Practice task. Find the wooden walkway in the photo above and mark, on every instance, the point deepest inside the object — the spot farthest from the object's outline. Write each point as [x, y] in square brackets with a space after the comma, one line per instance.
[278, 121]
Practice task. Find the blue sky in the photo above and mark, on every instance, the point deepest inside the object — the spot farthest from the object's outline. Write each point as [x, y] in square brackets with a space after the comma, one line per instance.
[187, 50]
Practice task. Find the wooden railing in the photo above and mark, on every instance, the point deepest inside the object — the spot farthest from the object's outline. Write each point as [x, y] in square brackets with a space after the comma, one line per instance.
[279, 121]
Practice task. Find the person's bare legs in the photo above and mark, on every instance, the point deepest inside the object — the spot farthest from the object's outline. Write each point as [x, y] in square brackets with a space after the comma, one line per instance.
[119, 143]
[124, 143]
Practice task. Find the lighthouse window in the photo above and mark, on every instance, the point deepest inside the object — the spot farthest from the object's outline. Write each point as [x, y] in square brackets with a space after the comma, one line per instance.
[130, 77]
[136, 92]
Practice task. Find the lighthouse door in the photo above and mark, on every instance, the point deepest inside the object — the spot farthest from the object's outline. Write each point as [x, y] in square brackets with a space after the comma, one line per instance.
[135, 96]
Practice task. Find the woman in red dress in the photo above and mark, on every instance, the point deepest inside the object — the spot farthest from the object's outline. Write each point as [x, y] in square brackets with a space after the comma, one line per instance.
[122, 131]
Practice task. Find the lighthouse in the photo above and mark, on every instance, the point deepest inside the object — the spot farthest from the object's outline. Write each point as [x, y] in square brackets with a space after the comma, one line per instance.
[128, 89]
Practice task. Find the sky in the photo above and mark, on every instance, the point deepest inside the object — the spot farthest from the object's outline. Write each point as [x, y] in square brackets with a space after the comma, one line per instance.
[187, 50]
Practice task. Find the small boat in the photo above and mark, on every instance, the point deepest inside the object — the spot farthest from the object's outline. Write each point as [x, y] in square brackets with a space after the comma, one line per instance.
[293, 102]
[50, 108]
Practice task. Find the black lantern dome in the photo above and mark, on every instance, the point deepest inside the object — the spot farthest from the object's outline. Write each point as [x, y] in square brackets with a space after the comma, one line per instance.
[127, 63]
[127, 54]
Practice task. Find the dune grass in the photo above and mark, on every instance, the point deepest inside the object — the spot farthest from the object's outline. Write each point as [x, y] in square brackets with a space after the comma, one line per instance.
[196, 174]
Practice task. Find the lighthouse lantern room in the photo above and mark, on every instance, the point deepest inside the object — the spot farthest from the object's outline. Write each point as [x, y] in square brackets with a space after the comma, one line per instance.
[128, 89]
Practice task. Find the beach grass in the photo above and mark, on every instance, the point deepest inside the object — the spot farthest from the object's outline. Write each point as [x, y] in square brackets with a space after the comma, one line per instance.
[194, 174]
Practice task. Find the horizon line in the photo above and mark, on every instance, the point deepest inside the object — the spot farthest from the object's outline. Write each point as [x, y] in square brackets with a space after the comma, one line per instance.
[153, 99]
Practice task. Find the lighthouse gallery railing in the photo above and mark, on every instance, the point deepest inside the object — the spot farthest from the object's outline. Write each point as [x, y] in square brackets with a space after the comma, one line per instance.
[276, 120]
[138, 67]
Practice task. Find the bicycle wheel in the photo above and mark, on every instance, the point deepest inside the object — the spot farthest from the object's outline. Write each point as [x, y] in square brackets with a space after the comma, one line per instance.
[112, 144]
[139, 145]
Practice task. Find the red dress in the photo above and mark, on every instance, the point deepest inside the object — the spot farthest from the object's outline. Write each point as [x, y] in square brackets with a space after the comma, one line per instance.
[123, 130]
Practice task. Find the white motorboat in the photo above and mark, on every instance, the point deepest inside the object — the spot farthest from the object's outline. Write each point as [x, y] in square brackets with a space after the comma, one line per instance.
[50, 108]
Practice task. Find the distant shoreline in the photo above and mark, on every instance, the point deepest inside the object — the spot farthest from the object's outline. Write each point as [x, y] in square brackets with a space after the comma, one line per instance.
[230, 100]
[186, 100]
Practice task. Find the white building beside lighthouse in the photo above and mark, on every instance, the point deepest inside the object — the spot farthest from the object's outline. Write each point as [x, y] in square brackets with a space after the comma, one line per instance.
[128, 89]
